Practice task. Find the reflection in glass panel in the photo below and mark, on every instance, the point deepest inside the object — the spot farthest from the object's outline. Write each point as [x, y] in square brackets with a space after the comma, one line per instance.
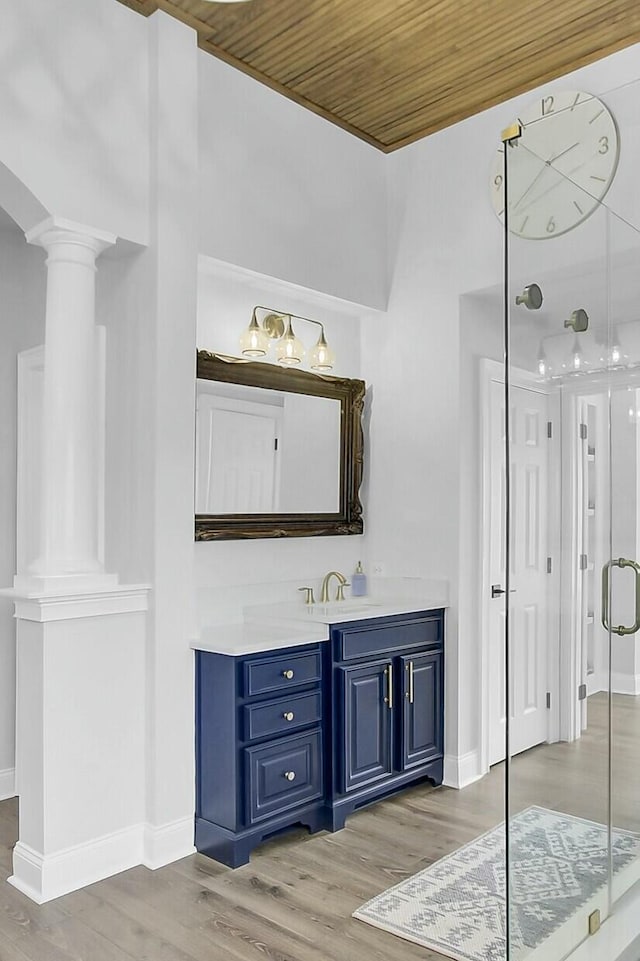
[263, 451]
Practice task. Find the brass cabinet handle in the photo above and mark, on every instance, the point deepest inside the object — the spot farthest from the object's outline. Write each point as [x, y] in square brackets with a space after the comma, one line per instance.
[388, 673]
[410, 682]
[621, 630]
[290, 775]
[288, 674]
[288, 715]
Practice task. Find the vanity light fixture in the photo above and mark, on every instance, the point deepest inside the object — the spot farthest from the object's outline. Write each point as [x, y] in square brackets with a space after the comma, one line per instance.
[290, 351]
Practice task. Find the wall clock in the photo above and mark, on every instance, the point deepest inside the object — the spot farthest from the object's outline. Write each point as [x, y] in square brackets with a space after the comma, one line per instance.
[560, 168]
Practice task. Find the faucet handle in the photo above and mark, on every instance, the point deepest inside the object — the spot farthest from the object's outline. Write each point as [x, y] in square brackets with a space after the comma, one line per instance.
[340, 591]
[308, 597]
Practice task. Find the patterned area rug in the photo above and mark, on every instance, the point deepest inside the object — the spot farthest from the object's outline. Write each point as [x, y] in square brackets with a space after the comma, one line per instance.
[457, 906]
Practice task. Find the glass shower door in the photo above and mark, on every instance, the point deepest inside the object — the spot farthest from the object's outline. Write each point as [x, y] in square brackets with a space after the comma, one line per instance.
[572, 571]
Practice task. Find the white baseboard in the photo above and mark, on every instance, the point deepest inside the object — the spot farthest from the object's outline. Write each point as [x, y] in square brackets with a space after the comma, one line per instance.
[45, 877]
[461, 770]
[7, 783]
[625, 683]
[168, 842]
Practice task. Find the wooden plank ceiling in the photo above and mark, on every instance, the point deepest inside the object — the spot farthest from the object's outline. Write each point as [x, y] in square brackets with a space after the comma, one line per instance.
[392, 71]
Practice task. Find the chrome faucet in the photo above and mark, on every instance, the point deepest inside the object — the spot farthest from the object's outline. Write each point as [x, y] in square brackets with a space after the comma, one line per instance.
[342, 583]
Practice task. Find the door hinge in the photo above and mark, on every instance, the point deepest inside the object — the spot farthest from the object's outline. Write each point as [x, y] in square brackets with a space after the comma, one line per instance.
[548, 700]
[584, 560]
[549, 429]
[583, 431]
[582, 692]
[549, 565]
[275, 443]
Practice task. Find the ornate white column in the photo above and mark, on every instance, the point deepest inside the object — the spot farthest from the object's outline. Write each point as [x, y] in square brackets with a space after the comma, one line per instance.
[68, 558]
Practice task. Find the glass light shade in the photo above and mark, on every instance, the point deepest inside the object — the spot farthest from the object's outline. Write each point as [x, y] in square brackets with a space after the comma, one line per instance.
[577, 357]
[290, 350]
[322, 357]
[254, 341]
[543, 365]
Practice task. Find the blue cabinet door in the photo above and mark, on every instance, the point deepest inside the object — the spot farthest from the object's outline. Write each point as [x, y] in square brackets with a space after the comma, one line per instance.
[422, 727]
[364, 748]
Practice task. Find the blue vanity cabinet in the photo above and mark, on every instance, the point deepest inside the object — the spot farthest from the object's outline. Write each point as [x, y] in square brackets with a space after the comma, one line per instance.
[259, 748]
[388, 707]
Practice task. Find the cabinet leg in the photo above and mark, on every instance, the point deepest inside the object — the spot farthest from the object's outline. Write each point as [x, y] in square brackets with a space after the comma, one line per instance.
[315, 821]
[338, 818]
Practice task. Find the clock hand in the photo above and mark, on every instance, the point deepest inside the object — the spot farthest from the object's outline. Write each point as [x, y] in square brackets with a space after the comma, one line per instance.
[531, 185]
[547, 164]
[562, 178]
[558, 155]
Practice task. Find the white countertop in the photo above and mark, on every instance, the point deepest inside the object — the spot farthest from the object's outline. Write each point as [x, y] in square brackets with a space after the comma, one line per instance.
[268, 627]
[253, 638]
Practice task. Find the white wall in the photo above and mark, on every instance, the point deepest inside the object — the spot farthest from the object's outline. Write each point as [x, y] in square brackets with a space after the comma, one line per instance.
[229, 574]
[286, 193]
[22, 293]
[74, 107]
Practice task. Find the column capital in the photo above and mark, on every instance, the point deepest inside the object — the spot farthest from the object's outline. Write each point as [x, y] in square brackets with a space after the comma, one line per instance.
[57, 230]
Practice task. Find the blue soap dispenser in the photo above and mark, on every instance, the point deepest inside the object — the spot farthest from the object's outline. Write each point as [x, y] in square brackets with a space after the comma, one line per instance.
[358, 582]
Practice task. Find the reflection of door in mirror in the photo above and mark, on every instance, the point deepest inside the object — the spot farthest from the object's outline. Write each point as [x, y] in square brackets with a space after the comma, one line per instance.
[236, 456]
[263, 451]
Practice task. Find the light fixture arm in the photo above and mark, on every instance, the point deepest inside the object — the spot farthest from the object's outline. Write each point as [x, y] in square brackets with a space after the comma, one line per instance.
[290, 317]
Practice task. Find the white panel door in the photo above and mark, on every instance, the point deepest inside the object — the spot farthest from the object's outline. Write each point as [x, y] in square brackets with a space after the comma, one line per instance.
[529, 578]
[236, 454]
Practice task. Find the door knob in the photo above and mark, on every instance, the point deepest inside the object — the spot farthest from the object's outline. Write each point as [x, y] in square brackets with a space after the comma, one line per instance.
[496, 590]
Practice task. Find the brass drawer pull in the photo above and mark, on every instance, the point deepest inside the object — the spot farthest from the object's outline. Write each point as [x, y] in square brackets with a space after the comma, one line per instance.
[288, 715]
[389, 676]
[288, 674]
[290, 775]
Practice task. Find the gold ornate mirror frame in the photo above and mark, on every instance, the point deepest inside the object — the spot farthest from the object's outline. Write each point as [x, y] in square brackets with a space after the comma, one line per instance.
[350, 393]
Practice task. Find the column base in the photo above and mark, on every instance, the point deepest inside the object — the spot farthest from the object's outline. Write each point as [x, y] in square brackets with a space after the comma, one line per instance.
[80, 744]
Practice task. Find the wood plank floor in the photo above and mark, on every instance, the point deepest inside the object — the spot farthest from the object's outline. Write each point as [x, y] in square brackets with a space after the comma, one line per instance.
[293, 902]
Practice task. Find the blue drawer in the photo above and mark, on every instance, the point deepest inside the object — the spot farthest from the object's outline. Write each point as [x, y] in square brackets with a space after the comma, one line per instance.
[283, 775]
[282, 672]
[285, 714]
[371, 638]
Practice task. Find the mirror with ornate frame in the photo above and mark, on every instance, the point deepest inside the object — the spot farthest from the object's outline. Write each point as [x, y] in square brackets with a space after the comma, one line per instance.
[312, 483]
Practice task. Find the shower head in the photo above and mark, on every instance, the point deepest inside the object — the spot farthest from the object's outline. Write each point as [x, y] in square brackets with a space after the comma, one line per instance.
[531, 297]
[579, 320]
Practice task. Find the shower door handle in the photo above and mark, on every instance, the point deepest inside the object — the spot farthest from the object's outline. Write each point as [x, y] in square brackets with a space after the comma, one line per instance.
[621, 630]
